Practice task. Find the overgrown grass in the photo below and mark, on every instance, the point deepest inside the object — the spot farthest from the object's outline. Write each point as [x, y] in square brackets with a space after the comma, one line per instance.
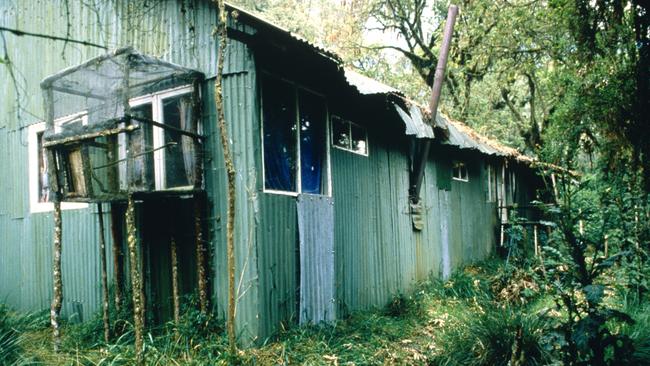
[487, 314]
[14, 328]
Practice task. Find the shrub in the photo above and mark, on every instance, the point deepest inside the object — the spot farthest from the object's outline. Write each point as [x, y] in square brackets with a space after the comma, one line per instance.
[495, 337]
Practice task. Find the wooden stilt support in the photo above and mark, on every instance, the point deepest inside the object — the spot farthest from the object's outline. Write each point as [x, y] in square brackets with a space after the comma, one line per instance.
[175, 296]
[136, 278]
[118, 269]
[102, 260]
[535, 240]
[57, 299]
[201, 258]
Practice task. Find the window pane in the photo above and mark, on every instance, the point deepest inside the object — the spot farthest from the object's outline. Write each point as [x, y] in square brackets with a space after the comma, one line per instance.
[279, 124]
[312, 142]
[179, 148]
[359, 139]
[140, 146]
[341, 133]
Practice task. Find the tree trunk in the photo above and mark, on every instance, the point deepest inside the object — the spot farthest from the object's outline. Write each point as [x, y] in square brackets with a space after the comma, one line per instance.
[230, 170]
[118, 270]
[57, 298]
[136, 281]
[102, 260]
[175, 297]
[201, 258]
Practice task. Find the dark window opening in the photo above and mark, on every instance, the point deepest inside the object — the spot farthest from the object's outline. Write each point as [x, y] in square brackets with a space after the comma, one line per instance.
[349, 136]
[294, 139]
[459, 172]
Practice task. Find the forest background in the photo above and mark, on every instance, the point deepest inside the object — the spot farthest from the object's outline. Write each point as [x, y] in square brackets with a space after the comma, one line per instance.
[564, 81]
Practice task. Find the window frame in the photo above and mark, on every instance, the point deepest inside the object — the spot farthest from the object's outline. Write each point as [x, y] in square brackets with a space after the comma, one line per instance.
[350, 124]
[83, 116]
[461, 167]
[492, 186]
[35, 206]
[297, 87]
[156, 100]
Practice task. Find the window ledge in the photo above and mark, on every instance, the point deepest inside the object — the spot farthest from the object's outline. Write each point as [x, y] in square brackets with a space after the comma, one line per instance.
[44, 207]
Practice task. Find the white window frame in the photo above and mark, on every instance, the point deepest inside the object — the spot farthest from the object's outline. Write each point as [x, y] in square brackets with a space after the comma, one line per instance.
[463, 166]
[157, 115]
[492, 187]
[350, 124]
[296, 89]
[59, 122]
[34, 175]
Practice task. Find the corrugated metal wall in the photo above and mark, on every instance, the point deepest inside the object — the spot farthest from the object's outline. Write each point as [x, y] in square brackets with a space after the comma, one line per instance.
[178, 31]
[377, 254]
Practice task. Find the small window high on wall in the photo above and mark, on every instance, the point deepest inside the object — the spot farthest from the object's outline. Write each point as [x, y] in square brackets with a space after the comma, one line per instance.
[349, 136]
[459, 172]
[294, 135]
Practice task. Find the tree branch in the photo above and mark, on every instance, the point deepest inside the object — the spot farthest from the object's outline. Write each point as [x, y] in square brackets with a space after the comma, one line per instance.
[18, 32]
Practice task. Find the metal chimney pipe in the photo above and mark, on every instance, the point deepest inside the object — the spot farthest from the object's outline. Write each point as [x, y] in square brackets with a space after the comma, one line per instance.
[435, 97]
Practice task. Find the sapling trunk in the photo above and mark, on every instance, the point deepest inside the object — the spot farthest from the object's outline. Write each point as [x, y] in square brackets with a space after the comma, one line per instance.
[201, 258]
[175, 297]
[230, 170]
[118, 270]
[136, 283]
[57, 298]
[102, 260]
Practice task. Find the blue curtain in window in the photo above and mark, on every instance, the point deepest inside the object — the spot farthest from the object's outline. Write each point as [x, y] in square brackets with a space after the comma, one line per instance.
[279, 124]
[312, 142]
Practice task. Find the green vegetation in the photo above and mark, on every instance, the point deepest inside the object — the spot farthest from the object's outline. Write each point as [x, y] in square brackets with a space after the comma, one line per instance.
[491, 313]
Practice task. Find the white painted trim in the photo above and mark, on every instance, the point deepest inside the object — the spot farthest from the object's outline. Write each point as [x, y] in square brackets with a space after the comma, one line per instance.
[156, 100]
[32, 154]
[328, 155]
[296, 98]
[297, 88]
[83, 116]
[453, 168]
[284, 193]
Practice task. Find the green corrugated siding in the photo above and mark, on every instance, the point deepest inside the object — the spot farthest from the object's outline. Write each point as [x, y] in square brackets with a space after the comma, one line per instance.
[177, 31]
[242, 116]
[377, 253]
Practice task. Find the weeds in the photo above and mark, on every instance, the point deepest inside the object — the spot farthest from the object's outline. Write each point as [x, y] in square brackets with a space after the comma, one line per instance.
[486, 314]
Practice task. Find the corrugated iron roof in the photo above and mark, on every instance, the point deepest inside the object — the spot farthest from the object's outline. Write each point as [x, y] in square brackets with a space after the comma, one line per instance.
[298, 38]
[414, 122]
[366, 85]
[457, 133]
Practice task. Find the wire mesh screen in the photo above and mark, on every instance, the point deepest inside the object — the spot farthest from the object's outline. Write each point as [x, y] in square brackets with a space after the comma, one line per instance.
[122, 122]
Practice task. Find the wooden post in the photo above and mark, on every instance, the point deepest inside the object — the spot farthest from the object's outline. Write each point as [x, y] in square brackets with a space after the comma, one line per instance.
[118, 269]
[200, 256]
[136, 283]
[535, 240]
[606, 245]
[102, 260]
[57, 299]
[175, 296]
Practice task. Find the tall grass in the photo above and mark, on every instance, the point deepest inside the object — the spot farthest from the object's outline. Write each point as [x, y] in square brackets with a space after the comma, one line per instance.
[13, 327]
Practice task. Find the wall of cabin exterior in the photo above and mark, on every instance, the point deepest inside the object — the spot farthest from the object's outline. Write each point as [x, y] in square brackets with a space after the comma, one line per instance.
[177, 31]
[377, 253]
